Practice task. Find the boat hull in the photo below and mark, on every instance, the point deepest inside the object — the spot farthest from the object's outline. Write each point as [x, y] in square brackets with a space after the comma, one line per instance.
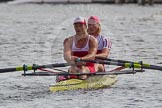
[93, 82]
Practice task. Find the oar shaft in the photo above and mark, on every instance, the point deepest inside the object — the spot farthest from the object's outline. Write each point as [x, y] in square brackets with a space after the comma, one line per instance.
[144, 65]
[7, 70]
[152, 67]
[34, 67]
[113, 60]
[126, 65]
[53, 65]
[20, 68]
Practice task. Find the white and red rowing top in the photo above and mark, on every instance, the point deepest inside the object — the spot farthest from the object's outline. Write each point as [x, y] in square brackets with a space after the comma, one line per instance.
[80, 52]
[103, 43]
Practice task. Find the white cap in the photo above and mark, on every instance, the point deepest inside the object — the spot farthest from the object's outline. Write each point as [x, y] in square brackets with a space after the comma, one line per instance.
[80, 20]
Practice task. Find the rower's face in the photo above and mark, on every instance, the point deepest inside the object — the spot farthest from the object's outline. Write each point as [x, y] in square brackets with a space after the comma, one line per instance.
[80, 28]
[93, 27]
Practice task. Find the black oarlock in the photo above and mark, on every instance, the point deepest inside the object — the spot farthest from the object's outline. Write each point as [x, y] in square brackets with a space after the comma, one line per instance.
[35, 67]
[25, 68]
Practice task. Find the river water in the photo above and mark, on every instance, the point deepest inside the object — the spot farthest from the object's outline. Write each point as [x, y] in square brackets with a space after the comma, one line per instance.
[32, 33]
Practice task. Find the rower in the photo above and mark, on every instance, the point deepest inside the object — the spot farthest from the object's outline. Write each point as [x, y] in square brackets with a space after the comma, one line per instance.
[80, 46]
[104, 43]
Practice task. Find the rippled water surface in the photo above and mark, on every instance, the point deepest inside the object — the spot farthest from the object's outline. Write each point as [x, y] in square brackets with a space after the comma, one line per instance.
[31, 33]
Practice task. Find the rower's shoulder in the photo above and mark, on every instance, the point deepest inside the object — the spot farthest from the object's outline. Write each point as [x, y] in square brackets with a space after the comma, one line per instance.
[92, 38]
[104, 37]
[69, 39]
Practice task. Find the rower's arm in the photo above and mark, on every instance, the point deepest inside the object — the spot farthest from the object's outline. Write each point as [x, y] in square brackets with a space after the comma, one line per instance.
[105, 52]
[106, 48]
[93, 45]
[68, 51]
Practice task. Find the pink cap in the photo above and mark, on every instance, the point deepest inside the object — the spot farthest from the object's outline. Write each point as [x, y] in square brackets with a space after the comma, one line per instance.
[80, 20]
[93, 20]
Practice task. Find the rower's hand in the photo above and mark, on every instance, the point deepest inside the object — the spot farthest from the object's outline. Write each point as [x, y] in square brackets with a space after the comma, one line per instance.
[74, 58]
[71, 60]
[79, 63]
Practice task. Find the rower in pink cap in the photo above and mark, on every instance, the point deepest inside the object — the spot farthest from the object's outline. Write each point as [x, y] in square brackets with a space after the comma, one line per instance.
[104, 43]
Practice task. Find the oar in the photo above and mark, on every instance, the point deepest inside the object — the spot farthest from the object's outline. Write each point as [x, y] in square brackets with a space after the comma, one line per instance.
[34, 67]
[107, 59]
[144, 65]
[97, 73]
[126, 65]
[114, 60]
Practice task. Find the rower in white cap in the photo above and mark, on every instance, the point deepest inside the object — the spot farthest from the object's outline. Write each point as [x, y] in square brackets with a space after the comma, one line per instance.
[80, 46]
